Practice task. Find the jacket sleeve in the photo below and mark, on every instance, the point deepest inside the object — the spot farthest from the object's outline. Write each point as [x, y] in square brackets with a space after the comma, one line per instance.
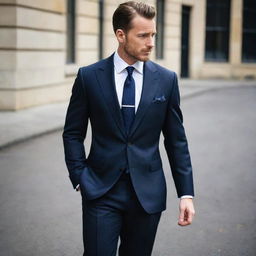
[75, 130]
[176, 145]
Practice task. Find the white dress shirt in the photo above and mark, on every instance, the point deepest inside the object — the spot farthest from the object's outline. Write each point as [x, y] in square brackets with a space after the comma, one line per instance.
[121, 73]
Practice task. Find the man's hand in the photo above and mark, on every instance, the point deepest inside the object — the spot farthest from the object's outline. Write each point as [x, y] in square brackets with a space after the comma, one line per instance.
[187, 211]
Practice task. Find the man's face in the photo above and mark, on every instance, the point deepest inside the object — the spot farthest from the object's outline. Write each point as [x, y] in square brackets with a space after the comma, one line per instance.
[138, 42]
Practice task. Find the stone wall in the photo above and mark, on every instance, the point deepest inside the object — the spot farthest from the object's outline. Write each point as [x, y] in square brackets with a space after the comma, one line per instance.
[33, 69]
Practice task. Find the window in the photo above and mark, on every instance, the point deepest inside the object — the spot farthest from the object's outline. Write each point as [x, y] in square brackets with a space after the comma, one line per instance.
[101, 27]
[160, 29]
[71, 31]
[217, 30]
[249, 31]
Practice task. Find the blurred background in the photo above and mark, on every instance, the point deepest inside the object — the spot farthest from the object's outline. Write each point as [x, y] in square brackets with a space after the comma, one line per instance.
[210, 44]
[43, 42]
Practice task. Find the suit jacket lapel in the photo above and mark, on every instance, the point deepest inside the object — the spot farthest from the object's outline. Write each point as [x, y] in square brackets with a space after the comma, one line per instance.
[150, 85]
[105, 76]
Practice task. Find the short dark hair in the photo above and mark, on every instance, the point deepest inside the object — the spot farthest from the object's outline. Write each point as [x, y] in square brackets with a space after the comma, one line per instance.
[125, 12]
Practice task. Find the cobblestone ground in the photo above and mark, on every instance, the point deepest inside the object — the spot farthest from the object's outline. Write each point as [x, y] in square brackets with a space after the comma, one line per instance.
[41, 214]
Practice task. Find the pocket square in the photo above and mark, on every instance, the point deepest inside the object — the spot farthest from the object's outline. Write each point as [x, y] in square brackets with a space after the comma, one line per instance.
[159, 99]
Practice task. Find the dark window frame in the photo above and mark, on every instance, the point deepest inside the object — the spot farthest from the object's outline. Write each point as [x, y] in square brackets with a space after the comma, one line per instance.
[71, 32]
[217, 30]
[185, 40]
[249, 32]
[160, 25]
[101, 28]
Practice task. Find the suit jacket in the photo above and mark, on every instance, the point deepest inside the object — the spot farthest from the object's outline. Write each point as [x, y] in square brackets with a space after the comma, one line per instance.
[112, 151]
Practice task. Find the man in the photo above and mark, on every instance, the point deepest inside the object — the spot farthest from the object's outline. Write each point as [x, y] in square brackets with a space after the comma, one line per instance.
[129, 100]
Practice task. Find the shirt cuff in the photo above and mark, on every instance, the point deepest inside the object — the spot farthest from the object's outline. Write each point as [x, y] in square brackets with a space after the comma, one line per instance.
[186, 196]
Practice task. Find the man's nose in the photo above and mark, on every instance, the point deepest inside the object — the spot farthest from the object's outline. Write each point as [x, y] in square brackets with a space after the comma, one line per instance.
[151, 42]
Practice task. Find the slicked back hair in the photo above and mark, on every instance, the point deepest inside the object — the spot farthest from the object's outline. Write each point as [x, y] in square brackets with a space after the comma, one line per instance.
[125, 12]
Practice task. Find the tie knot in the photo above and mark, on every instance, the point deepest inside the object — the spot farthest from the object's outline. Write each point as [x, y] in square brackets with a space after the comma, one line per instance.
[129, 70]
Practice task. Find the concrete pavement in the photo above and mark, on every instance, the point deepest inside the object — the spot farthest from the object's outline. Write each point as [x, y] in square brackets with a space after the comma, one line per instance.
[41, 213]
[28, 123]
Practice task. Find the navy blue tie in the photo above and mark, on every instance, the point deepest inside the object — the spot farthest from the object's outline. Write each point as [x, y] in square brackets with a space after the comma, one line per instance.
[128, 101]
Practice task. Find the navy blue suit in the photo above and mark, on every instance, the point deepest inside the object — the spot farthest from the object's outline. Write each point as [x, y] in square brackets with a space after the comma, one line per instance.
[114, 152]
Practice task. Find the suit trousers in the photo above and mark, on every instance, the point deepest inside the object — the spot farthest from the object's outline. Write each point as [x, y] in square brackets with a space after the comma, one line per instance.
[118, 214]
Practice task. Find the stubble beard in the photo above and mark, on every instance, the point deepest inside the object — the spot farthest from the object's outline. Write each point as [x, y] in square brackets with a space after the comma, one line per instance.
[135, 57]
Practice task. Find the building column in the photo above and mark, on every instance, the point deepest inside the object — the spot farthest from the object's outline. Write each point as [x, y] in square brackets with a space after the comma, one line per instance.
[197, 38]
[235, 50]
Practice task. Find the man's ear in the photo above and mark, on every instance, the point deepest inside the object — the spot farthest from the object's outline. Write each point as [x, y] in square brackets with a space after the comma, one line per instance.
[121, 36]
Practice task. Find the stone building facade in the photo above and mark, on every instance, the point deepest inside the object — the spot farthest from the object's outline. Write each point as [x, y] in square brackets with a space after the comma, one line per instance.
[43, 42]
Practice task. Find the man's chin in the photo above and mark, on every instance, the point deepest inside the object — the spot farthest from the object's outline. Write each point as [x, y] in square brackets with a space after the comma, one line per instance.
[144, 57]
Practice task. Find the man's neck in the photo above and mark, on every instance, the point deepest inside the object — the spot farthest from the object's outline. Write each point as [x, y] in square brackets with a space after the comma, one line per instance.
[129, 60]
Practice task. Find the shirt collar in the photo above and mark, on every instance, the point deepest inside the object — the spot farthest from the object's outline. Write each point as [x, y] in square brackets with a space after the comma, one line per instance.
[120, 64]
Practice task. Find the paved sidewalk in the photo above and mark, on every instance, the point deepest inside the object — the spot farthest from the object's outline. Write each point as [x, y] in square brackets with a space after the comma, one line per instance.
[24, 124]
